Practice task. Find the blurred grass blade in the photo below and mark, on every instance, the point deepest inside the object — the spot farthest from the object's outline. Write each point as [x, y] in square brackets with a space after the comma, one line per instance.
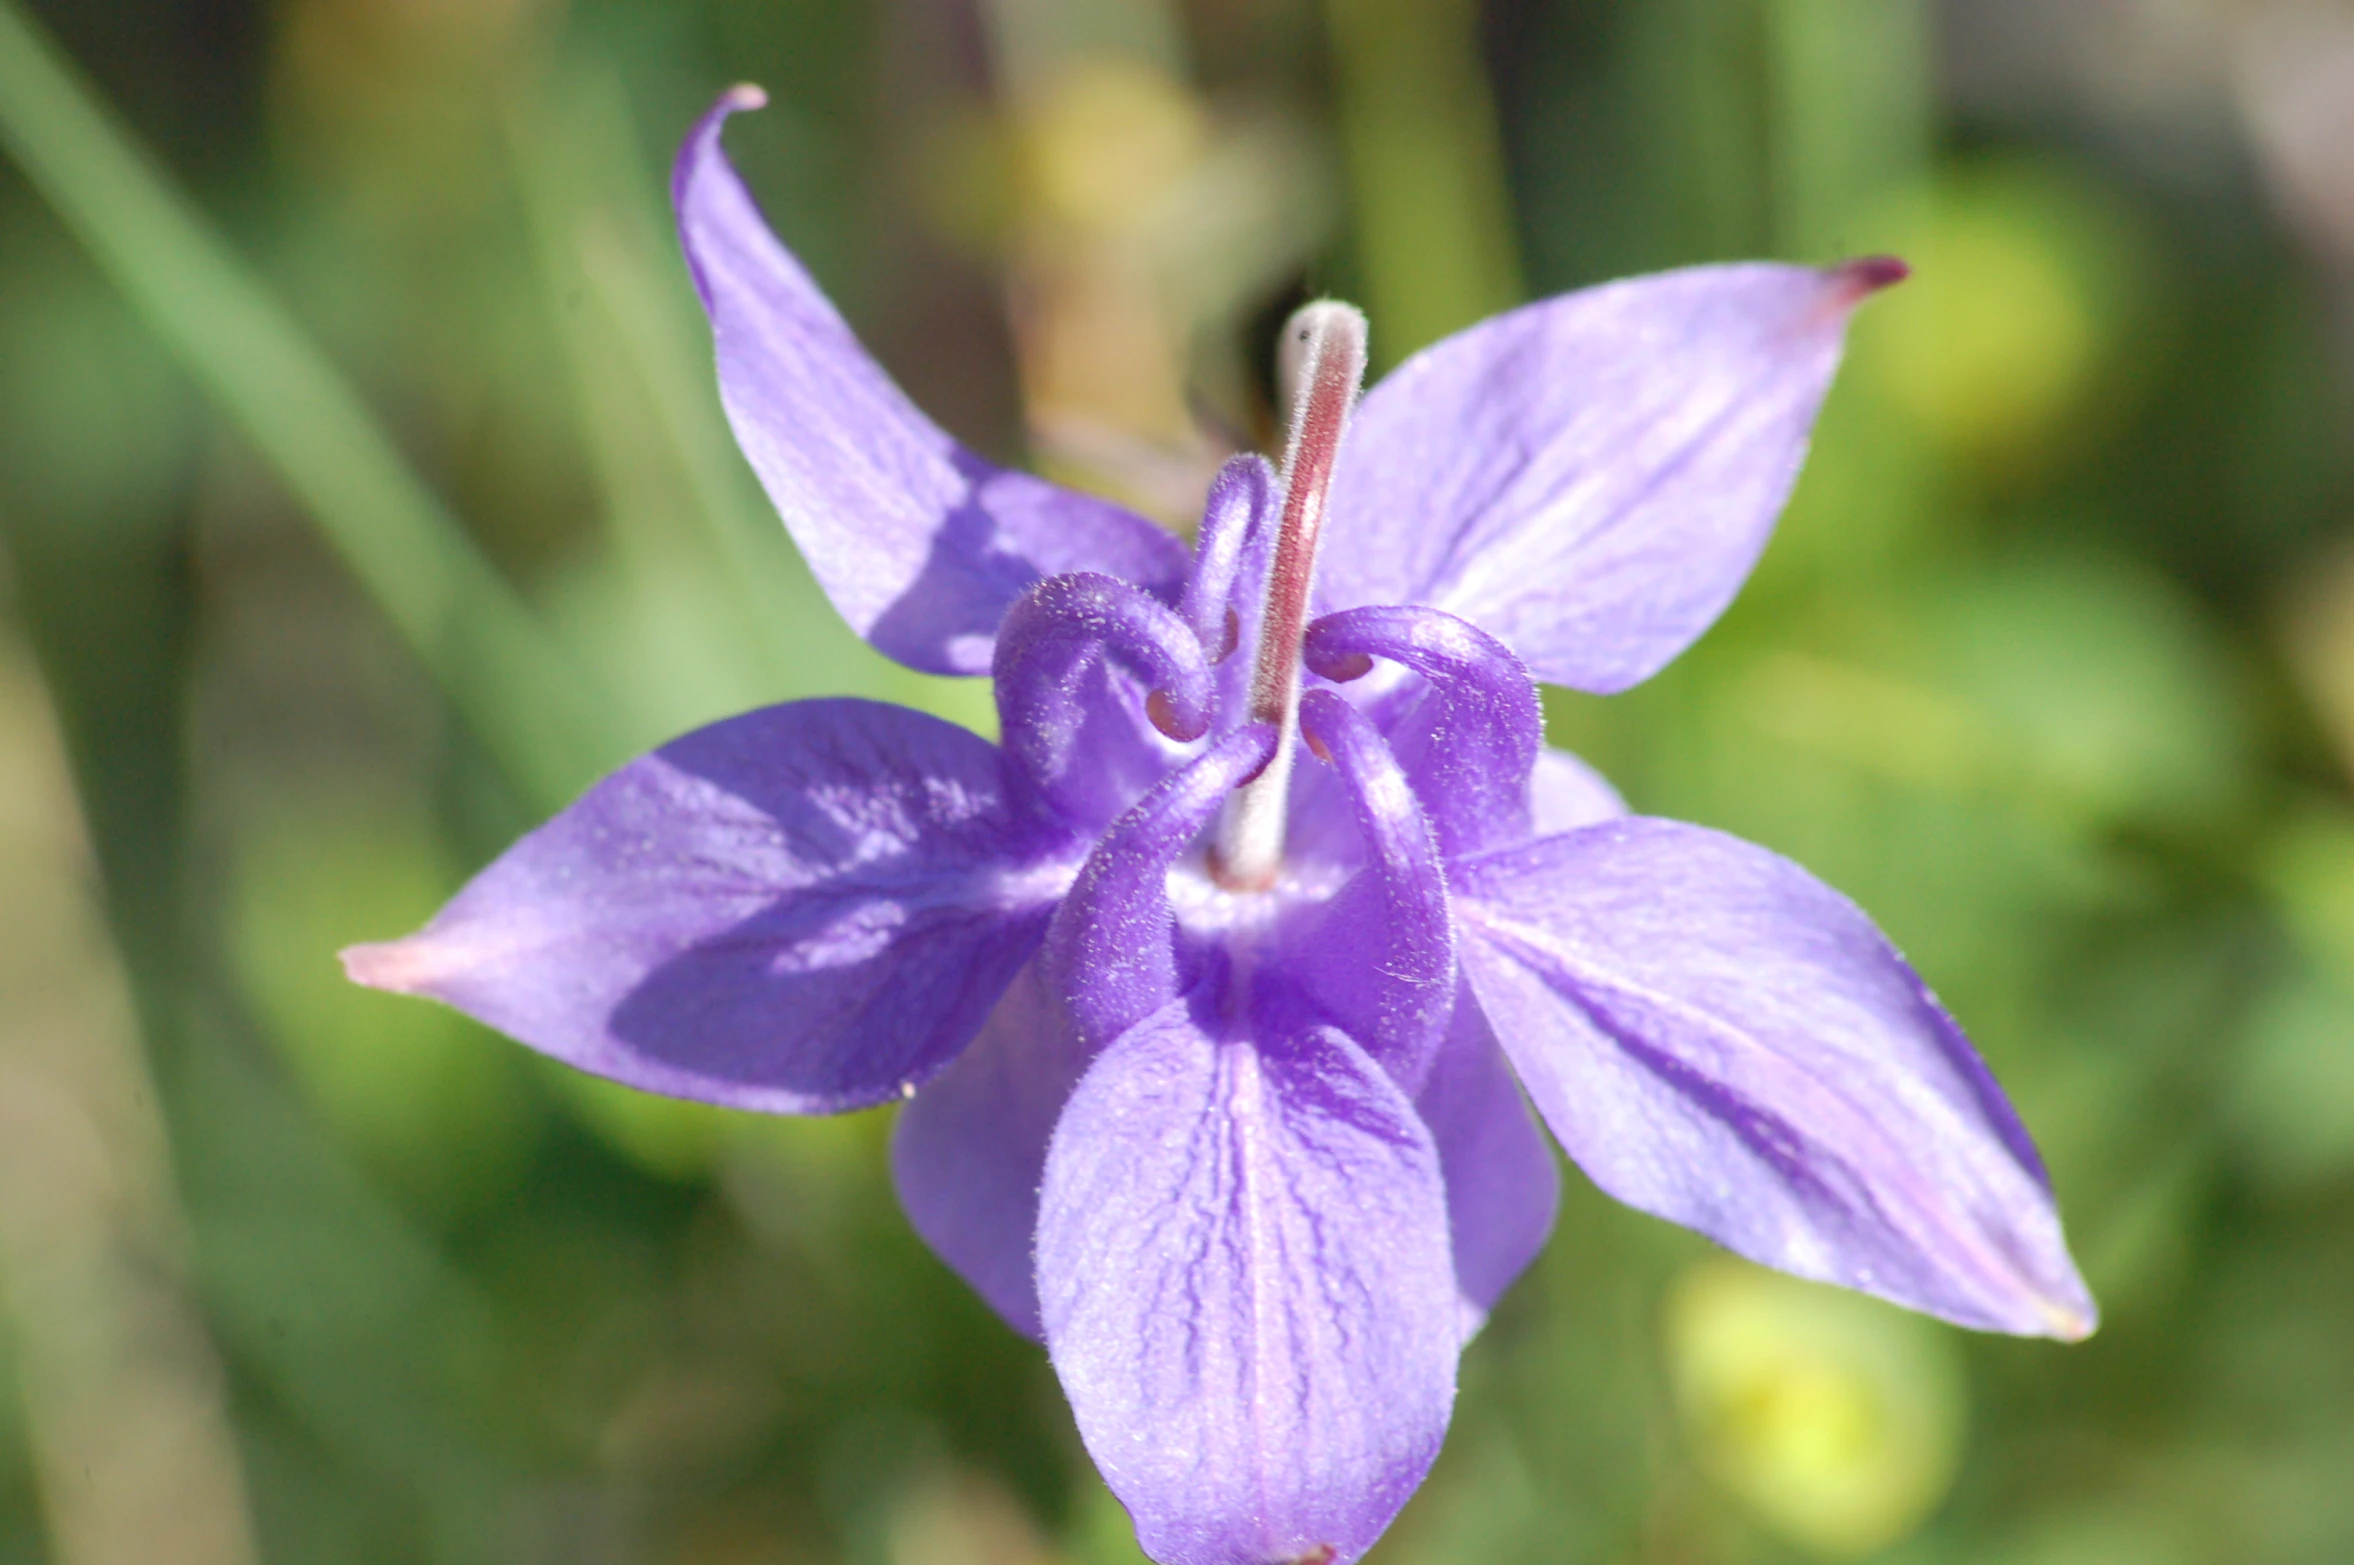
[1426, 169]
[1849, 82]
[674, 489]
[500, 671]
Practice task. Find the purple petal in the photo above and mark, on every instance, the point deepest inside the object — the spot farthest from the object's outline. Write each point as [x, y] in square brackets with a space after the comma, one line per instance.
[969, 1150]
[1565, 793]
[1081, 660]
[1468, 739]
[921, 544]
[1241, 499]
[1244, 1275]
[1502, 1185]
[804, 909]
[1590, 478]
[1719, 1038]
[1380, 955]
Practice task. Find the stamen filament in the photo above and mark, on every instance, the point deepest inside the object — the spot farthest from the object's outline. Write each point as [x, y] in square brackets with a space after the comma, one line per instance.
[1329, 338]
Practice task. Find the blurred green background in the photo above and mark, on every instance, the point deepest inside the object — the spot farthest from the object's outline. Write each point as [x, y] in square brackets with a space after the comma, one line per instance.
[363, 493]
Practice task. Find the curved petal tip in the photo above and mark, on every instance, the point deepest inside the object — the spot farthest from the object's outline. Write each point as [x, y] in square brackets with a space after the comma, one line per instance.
[1859, 279]
[400, 966]
[2070, 1322]
[744, 95]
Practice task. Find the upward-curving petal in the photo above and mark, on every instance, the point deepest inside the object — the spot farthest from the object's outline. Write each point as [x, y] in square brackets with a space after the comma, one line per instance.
[921, 544]
[1719, 1038]
[805, 909]
[1243, 1271]
[1590, 478]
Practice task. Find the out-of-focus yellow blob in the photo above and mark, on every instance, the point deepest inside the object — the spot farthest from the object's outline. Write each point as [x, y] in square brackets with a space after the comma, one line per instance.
[2023, 285]
[1107, 141]
[1836, 1419]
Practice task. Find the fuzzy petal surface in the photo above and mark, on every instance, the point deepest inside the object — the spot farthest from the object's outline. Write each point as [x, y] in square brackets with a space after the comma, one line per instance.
[921, 544]
[805, 909]
[970, 1148]
[1591, 477]
[1245, 1279]
[1720, 1039]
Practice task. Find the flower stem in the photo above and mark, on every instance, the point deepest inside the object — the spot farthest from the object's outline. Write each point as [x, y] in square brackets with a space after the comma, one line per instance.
[1328, 339]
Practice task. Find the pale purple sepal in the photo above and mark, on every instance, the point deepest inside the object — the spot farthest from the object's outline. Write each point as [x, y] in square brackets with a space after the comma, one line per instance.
[1590, 478]
[805, 909]
[1565, 793]
[1502, 1186]
[969, 1150]
[1720, 1039]
[921, 544]
[1244, 1276]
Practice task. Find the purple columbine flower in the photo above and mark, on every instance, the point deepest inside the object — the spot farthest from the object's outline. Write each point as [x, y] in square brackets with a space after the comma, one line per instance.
[1210, 1046]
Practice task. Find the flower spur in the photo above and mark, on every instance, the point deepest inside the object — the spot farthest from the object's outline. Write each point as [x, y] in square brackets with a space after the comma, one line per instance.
[1210, 1047]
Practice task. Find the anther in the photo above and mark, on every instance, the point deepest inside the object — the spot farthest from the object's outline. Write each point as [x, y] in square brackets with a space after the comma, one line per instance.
[1162, 711]
[1346, 666]
[1329, 340]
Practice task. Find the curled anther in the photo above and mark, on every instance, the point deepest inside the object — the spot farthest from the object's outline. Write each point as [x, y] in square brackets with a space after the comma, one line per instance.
[1472, 735]
[1058, 644]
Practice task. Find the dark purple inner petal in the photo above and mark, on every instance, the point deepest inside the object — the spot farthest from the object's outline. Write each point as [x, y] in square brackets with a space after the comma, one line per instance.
[1468, 742]
[1112, 952]
[1241, 503]
[1380, 955]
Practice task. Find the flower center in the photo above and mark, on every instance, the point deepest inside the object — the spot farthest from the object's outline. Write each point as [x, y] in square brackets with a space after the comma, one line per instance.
[1326, 341]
